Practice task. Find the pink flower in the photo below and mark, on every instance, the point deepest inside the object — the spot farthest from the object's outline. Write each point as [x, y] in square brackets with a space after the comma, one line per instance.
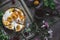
[46, 23]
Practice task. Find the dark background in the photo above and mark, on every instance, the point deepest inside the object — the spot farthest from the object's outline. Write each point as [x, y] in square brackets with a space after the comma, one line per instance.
[56, 27]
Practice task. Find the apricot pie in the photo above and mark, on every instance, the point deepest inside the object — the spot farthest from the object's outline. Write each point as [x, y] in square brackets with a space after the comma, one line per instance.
[14, 19]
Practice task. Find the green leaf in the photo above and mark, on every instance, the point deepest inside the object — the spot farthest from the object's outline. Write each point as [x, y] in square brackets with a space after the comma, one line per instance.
[1, 15]
[51, 4]
[46, 3]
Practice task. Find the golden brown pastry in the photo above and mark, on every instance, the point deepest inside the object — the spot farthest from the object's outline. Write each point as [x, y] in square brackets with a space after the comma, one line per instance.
[10, 27]
[9, 19]
[36, 2]
[6, 23]
[21, 16]
[11, 9]
[14, 15]
[18, 28]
